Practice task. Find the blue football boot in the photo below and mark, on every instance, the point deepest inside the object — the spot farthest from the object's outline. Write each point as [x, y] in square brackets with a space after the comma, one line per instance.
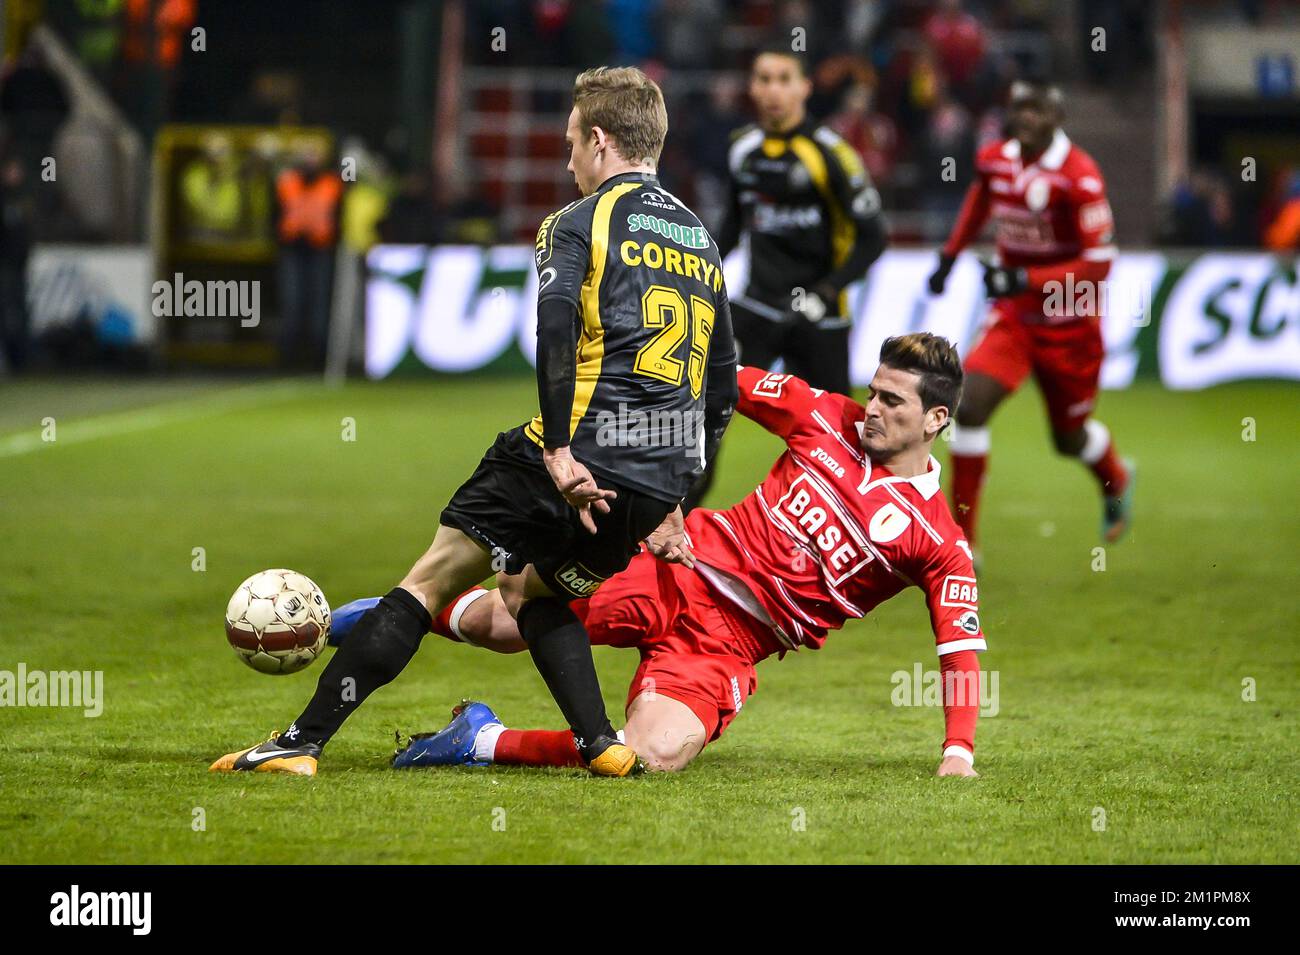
[346, 617]
[453, 745]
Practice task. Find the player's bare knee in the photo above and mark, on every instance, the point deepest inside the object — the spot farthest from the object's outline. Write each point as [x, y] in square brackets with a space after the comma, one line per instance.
[488, 624]
[664, 751]
[1069, 443]
[475, 624]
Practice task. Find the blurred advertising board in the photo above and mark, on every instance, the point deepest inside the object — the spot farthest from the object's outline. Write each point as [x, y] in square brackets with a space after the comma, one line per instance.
[104, 287]
[1190, 320]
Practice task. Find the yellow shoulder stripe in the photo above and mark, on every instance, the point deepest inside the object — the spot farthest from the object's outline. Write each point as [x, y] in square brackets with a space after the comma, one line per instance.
[843, 232]
[591, 342]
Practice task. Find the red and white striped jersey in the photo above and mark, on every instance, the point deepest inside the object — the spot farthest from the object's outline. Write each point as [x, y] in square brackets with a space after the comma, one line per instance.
[828, 535]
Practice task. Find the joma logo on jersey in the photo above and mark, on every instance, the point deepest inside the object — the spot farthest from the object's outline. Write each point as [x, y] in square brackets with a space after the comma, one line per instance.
[577, 583]
[960, 592]
[805, 508]
[836, 468]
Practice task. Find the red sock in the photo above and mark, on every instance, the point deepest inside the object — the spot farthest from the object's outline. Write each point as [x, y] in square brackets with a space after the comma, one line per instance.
[1110, 472]
[537, 748]
[967, 482]
[442, 622]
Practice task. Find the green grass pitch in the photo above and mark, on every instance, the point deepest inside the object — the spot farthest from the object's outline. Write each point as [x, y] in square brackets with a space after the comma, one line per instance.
[1121, 691]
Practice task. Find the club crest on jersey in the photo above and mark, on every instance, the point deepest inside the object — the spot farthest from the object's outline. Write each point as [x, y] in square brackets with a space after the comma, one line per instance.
[887, 524]
[969, 622]
[960, 592]
[1037, 193]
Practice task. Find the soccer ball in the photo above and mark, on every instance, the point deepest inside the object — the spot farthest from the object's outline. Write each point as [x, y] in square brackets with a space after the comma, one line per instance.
[277, 621]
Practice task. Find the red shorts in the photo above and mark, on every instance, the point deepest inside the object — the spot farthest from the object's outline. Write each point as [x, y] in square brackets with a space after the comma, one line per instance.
[1065, 359]
[695, 648]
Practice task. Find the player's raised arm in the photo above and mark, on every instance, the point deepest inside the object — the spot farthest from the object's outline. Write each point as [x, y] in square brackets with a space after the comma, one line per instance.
[970, 221]
[783, 404]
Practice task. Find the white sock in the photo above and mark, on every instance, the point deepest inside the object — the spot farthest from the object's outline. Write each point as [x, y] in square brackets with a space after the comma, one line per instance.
[970, 441]
[485, 743]
[619, 734]
[1096, 442]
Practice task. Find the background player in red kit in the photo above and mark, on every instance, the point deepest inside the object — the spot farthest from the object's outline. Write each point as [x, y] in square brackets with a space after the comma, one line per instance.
[850, 515]
[1054, 237]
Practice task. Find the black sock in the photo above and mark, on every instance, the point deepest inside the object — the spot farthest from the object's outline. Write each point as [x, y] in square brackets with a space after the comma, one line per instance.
[561, 651]
[378, 648]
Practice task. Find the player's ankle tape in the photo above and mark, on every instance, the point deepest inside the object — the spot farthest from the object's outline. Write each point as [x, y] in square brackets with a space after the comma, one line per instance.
[404, 599]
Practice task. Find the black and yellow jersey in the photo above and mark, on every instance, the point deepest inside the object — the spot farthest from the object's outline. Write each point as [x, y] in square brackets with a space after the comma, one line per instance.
[654, 331]
[806, 202]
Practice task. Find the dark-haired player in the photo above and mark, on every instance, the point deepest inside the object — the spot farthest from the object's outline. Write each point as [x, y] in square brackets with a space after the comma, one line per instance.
[636, 378]
[1055, 242]
[850, 515]
[801, 196]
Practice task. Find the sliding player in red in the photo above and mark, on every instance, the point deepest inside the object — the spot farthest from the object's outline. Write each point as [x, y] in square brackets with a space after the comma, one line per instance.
[850, 515]
[1055, 245]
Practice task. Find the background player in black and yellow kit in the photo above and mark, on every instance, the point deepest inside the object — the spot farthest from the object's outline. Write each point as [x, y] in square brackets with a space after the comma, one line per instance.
[813, 221]
[636, 371]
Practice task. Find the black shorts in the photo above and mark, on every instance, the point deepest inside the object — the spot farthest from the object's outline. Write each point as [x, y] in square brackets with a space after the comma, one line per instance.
[511, 506]
[817, 353]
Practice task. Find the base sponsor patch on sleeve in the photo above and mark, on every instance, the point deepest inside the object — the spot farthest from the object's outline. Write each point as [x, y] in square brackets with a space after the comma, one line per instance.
[960, 592]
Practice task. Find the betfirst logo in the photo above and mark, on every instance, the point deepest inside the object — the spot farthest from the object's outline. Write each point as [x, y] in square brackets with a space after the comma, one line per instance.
[577, 583]
[960, 592]
[817, 522]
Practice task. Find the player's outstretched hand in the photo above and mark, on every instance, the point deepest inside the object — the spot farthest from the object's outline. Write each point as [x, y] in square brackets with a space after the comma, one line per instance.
[668, 540]
[574, 481]
[956, 766]
[939, 277]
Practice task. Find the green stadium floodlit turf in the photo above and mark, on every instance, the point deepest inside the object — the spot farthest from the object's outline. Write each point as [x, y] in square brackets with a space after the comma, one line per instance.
[1145, 711]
